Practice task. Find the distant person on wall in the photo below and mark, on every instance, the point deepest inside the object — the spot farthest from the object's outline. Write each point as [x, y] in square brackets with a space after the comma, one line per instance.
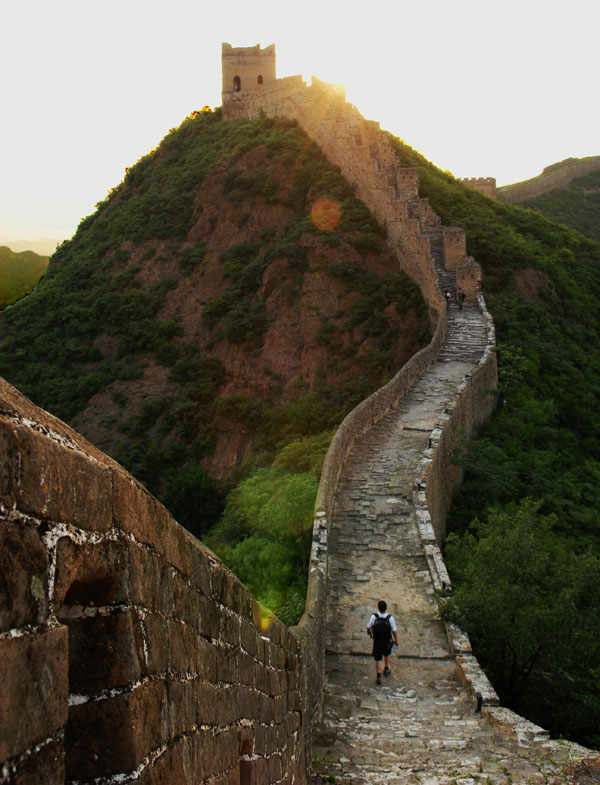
[448, 296]
[381, 628]
[461, 298]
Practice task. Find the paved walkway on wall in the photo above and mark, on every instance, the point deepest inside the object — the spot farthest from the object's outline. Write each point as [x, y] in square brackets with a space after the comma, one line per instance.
[419, 726]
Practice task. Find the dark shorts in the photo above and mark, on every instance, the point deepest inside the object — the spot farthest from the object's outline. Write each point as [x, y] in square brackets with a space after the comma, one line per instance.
[379, 652]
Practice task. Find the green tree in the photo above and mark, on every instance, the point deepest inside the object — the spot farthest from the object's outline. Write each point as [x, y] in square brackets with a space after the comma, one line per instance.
[531, 606]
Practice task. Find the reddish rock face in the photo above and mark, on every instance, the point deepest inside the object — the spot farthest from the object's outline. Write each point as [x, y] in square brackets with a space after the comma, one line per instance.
[298, 300]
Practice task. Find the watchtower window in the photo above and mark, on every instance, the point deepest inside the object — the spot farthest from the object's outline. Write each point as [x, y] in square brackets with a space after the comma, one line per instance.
[260, 81]
[237, 84]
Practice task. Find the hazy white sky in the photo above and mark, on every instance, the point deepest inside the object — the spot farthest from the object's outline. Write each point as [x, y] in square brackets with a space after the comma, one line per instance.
[480, 88]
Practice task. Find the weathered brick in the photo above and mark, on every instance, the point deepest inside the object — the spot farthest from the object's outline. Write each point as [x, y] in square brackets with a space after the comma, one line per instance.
[157, 642]
[91, 573]
[272, 740]
[222, 584]
[200, 567]
[260, 739]
[231, 777]
[249, 703]
[274, 683]
[206, 660]
[9, 450]
[60, 484]
[275, 769]
[134, 509]
[206, 703]
[186, 602]
[246, 669]
[181, 707]
[246, 740]
[209, 617]
[249, 637]
[230, 628]
[40, 765]
[183, 646]
[104, 652]
[24, 586]
[111, 736]
[228, 748]
[35, 689]
[228, 666]
[261, 678]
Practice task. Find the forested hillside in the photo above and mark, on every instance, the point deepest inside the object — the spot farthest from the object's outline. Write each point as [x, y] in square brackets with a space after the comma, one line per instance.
[525, 543]
[211, 323]
[19, 273]
[576, 205]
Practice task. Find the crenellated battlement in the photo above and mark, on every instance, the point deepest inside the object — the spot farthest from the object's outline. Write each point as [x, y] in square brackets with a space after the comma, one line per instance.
[485, 185]
[246, 68]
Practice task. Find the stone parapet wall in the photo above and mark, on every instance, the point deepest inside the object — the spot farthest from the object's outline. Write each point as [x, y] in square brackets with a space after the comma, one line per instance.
[310, 631]
[548, 180]
[367, 161]
[128, 651]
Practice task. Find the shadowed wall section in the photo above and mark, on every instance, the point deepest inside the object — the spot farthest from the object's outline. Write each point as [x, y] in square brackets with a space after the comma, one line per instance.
[128, 652]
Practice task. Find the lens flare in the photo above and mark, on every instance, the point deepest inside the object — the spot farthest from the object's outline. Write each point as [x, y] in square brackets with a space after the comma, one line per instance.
[326, 214]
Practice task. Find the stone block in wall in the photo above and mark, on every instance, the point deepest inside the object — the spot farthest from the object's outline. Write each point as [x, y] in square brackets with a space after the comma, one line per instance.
[186, 602]
[35, 689]
[105, 652]
[180, 707]
[254, 772]
[228, 667]
[210, 614]
[174, 766]
[157, 656]
[151, 580]
[43, 765]
[112, 736]
[9, 449]
[60, 484]
[24, 585]
[249, 637]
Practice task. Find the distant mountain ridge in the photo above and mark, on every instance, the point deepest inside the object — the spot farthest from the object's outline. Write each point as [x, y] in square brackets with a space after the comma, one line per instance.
[44, 246]
[556, 175]
[19, 273]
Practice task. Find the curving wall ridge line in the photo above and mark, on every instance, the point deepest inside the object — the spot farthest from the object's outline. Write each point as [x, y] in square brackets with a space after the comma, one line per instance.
[426, 251]
[434, 256]
[128, 652]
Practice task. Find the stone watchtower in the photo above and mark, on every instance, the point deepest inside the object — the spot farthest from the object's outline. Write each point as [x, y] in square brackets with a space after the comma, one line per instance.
[246, 68]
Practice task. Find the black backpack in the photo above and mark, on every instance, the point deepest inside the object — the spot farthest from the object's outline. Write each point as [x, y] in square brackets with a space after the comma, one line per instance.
[382, 630]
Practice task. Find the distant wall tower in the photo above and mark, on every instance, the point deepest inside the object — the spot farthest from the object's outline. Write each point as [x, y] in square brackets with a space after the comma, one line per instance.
[246, 68]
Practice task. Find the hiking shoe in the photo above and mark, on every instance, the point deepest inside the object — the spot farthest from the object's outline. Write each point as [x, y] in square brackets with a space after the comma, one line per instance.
[378, 680]
[386, 672]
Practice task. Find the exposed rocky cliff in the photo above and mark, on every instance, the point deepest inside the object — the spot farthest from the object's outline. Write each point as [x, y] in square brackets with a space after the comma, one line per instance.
[202, 299]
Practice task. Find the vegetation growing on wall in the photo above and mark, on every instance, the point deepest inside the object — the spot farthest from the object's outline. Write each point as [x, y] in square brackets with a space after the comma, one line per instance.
[542, 286]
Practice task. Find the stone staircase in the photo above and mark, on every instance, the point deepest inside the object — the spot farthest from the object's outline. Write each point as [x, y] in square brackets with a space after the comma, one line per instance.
[466, 336]
[420, 726]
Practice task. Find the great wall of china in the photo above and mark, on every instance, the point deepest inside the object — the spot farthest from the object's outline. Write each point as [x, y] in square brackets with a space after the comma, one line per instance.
[192, 681]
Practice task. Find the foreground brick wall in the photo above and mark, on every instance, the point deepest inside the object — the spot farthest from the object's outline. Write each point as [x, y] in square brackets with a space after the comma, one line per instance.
[128, 652]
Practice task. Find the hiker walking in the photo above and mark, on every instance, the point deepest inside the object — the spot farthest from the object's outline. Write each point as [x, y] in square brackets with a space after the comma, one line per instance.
[381, 628]
[461, 298]
[447, 295]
